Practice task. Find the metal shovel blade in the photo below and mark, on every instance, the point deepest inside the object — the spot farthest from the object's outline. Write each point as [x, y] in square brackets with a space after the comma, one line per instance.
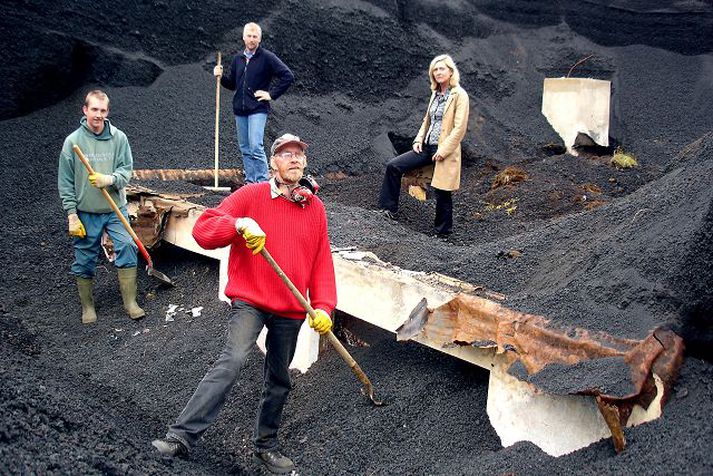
[160, 276]
[368, 391]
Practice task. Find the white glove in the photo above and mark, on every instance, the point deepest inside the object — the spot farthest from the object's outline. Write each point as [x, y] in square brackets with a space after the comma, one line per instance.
[253, 234]
[218, 70]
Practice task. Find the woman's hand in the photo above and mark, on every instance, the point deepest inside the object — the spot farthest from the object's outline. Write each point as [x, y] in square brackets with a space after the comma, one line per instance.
[416, 147]
[437, 157]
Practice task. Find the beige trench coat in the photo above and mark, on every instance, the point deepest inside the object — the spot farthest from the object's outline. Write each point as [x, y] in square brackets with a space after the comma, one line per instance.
[446, 173]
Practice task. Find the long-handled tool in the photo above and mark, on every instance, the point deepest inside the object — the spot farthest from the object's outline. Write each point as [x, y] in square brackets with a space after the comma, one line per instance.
[149, 263]
[368, 389]
[215, 186]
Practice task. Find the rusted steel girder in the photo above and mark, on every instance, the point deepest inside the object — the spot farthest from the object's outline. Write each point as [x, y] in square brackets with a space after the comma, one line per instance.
[536, 342]
[188, 175]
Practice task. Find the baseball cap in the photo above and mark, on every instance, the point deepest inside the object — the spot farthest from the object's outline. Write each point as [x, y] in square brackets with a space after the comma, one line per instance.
[285, 139]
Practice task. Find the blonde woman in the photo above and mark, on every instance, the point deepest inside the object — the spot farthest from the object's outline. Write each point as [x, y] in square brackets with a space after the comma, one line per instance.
[437, 142]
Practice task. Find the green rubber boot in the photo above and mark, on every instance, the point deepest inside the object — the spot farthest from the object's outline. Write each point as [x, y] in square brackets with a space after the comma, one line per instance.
[127, 284]
[85, 287]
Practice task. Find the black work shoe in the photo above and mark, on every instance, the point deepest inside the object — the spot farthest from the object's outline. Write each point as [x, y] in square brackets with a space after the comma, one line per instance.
[170, 447]
[274, 461]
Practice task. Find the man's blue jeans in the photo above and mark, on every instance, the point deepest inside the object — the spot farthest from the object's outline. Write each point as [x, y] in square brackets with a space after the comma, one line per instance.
[86, 250]
[251, 130]
[202, 409]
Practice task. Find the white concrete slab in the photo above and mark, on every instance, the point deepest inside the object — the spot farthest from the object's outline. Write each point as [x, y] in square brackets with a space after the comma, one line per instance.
[574, 105]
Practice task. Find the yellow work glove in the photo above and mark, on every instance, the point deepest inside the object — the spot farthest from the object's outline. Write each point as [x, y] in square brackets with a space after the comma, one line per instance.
[101, 180]
[253, 234]
[76, 228]
[321, 322]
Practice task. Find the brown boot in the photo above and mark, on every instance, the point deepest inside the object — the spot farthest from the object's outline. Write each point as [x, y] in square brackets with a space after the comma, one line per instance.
[85, 287]
[127, 284]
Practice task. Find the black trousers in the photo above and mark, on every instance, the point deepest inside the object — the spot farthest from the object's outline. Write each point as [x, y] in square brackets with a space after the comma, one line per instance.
[391, 187]
[202, 409]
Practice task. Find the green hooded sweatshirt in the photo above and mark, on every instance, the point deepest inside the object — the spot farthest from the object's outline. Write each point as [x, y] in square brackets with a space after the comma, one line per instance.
[108, 153]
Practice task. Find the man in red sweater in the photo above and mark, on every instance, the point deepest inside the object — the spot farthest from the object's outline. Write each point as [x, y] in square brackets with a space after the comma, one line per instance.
[284, 210]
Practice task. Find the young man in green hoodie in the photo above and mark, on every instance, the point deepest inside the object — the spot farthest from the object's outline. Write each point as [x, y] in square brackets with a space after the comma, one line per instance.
[88, 212]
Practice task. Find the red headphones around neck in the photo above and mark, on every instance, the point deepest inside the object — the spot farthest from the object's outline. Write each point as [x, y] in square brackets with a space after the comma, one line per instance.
[306, 188]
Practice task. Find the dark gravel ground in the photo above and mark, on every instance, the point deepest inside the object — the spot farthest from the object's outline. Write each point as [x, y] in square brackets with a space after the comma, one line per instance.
[88, 400]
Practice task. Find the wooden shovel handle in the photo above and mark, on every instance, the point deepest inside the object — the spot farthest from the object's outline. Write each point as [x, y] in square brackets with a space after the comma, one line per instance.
[116, 209]
[343, 352]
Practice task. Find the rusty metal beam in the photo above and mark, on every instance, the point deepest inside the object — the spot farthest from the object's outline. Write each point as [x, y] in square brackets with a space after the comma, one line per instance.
[188, 175]
[536, 342]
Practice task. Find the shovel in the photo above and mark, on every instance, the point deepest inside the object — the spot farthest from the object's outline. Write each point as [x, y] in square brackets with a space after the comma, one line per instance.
[368, 389]
[149, 263]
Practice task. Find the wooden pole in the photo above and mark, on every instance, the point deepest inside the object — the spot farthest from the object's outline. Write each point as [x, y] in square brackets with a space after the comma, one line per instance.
[217, 122]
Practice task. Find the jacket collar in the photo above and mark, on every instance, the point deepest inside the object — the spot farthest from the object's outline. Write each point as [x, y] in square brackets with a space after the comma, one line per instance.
[451, 96]
[257, 52]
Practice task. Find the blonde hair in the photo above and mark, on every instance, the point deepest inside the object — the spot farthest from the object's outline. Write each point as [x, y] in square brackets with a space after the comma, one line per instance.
[455, 77]
[96, 93]
[253, 26]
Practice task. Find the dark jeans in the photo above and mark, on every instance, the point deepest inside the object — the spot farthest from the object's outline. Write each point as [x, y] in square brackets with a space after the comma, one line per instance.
[391, 187]
[202, 409]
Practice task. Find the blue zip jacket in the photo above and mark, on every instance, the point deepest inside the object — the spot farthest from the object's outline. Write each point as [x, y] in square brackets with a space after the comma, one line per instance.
[246, 77]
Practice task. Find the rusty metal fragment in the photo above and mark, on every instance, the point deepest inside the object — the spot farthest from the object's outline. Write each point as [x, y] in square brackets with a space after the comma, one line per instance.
[613, 421]
[188, 175]
[668, 363]
[149, 212]
[535, 342]
[420, 177]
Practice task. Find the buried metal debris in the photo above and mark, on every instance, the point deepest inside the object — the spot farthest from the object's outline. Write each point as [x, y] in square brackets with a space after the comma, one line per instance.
[537, 345]
[472, 324]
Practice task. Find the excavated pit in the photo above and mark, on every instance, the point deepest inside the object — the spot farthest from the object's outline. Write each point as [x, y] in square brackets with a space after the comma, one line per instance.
[88, 400]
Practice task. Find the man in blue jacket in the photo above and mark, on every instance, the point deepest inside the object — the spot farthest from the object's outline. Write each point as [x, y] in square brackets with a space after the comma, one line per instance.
[257, 76]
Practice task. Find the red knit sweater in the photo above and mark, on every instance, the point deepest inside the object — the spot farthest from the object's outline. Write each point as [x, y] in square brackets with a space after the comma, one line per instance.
[296, 238]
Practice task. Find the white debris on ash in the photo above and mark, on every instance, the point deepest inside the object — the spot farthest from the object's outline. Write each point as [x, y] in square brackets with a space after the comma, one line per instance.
[171, 312]
[174, 309]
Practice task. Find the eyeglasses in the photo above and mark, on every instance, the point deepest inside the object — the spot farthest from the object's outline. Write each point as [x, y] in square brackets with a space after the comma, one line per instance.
[291, 155]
